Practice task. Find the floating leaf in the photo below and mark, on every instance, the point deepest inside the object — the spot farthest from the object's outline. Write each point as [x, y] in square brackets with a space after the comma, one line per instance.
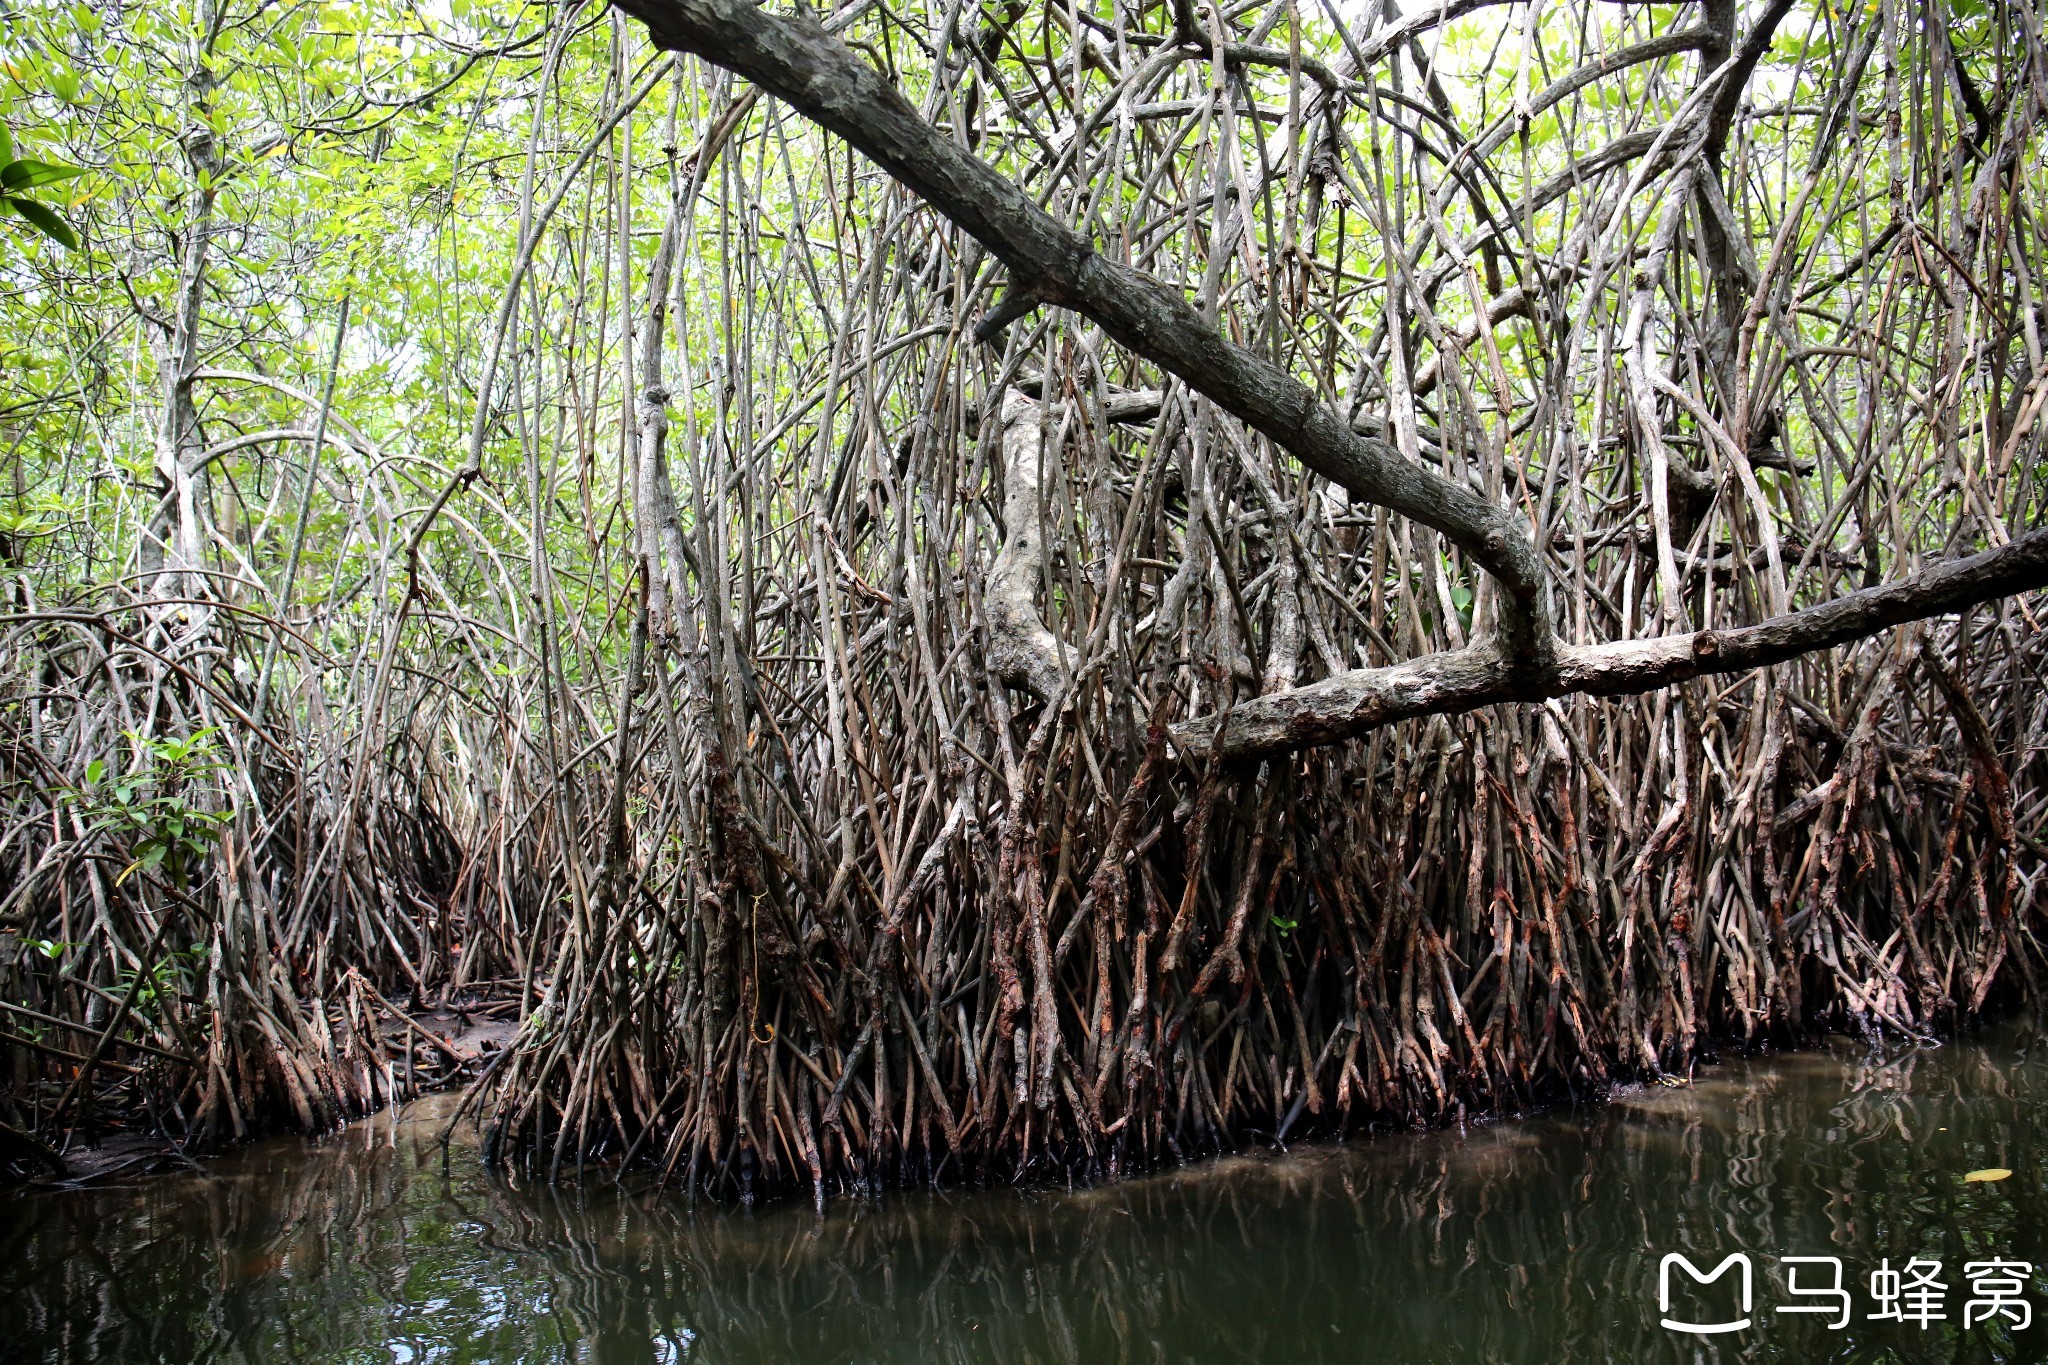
[1989, 1173]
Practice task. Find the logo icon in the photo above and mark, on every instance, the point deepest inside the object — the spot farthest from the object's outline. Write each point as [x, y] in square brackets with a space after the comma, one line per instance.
[1735, 1259]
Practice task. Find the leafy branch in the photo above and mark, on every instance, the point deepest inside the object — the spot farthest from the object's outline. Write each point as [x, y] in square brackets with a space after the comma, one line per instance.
[18, 175]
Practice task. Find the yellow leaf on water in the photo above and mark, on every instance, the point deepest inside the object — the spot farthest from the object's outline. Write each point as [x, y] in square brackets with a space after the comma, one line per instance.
[1988, 1173]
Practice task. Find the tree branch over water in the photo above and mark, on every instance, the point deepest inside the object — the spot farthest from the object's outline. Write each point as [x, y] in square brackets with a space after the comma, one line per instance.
[795, 59]
[827, 561]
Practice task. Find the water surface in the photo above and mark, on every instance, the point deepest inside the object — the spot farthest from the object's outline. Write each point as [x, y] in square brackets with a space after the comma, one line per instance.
[1537, 1240]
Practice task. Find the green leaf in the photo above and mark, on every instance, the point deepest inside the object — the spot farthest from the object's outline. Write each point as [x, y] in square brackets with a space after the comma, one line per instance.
[29, 175]
[46, 222]
[6, 145]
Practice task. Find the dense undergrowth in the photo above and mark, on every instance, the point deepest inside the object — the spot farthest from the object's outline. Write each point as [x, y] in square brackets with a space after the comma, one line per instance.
[499, 513]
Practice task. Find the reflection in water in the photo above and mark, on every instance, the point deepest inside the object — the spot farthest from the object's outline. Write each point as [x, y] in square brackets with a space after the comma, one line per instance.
[1536, 1240]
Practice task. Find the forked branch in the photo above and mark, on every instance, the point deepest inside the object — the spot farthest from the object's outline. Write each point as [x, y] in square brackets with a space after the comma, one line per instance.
[794, 58]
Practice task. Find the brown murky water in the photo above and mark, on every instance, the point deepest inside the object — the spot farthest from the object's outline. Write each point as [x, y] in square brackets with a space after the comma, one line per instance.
[1539, 1240]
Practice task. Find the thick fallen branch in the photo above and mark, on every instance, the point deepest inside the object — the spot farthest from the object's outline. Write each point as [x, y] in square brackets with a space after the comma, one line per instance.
[795, 59]
[1439, 684]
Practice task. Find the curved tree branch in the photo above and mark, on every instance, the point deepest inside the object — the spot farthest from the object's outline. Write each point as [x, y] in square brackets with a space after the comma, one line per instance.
[795, 59]
[798, 61]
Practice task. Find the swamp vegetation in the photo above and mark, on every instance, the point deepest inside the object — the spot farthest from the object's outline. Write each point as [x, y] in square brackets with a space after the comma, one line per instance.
[951, 591]
[1532, 1241]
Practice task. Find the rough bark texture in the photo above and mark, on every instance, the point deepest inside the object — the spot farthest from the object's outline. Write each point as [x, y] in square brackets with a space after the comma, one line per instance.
[1021, 650]
[794, 58]
[1350, 704]
[1185, 587]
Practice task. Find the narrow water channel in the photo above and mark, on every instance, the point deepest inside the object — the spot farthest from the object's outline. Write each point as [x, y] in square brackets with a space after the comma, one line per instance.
[1539, 1240]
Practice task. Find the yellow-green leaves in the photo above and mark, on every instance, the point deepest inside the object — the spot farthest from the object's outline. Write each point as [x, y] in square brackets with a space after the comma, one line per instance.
[1989, 1173]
